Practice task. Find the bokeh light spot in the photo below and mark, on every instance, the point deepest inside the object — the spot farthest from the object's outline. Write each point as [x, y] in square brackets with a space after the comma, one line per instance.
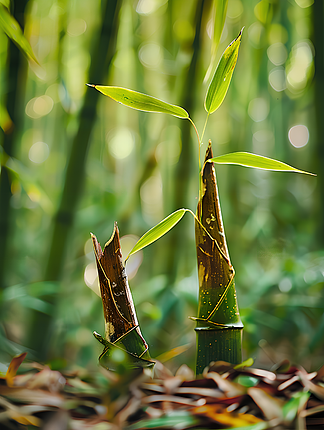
[261, 11]
[285, 285]
[277, 79]
[258, 109]
[146, 7]
[304, 3]
[277, 53]
[152, 198]
[91, 278]
[299, 66]
[121, 143]
[255, 32]
[235, 9]
[298, 136]
[39, 106]
[150, 55]
[127, 243]
[76, 27]
[277, 34]
[38, 152]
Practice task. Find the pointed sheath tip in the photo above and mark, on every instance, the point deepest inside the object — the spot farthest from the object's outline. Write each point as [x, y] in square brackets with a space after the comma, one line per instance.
[96, 246]
[209, 151]
[91, 85]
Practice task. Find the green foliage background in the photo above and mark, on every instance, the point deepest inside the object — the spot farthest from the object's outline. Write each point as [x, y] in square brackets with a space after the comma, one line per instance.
[141, 167]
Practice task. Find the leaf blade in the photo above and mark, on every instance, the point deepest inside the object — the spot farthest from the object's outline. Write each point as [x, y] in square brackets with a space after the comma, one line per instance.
[158, 231]
[140, 101]
[222, 77]
[247, 159]
[12, 29]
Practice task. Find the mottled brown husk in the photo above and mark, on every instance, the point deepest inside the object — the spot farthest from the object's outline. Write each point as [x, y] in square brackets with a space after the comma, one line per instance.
[219, 325]
[121, 326]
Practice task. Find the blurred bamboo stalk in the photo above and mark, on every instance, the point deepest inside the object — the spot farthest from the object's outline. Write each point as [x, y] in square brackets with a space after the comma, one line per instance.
[318, 40]
[188, 154]
[16, 79]
[178, 238]
[101, 56]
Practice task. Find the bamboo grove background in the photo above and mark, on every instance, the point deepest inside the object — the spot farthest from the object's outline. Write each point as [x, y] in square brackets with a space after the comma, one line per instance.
[76, 162]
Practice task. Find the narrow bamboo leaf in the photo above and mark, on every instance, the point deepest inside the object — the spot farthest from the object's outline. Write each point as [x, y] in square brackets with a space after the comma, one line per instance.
[158, 231]
[140, 101]
[222, 77]
[259, 426]
[295, 404]
[12, 29]
[181, 419]
[255, 161]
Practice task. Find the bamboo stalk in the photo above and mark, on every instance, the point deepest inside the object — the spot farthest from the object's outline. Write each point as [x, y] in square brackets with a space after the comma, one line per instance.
[16, 78]
[121, 326]
[219, 327]
[318, 40]
[185, 165]
[101, 56]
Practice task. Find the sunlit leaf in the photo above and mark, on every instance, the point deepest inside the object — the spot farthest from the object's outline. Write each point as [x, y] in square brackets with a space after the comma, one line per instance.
[222, 77]
[158, 231]
[12, 29]
[246, 363]
[140, 101]
[255, 161]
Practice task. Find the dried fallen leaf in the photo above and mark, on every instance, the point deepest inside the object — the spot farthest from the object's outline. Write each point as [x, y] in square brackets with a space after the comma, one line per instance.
[13, 367]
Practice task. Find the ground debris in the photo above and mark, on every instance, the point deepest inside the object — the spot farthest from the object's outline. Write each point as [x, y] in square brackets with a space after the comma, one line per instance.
[225, 396]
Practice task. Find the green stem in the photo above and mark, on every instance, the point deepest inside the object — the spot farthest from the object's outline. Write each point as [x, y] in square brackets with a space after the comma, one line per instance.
[199, 160]
[199, 141]
[205, 125]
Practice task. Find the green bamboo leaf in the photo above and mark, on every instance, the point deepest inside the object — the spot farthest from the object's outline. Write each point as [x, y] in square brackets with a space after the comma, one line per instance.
[12, 29]
[246, 363]
[222, 77]
[295, 404]
[255, 161]
[174, 419]
[139, 101]
[258, 426]
[158, 231]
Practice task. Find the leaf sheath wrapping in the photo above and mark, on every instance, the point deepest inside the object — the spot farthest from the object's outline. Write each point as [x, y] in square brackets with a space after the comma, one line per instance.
[218, 323]
[121, 325]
